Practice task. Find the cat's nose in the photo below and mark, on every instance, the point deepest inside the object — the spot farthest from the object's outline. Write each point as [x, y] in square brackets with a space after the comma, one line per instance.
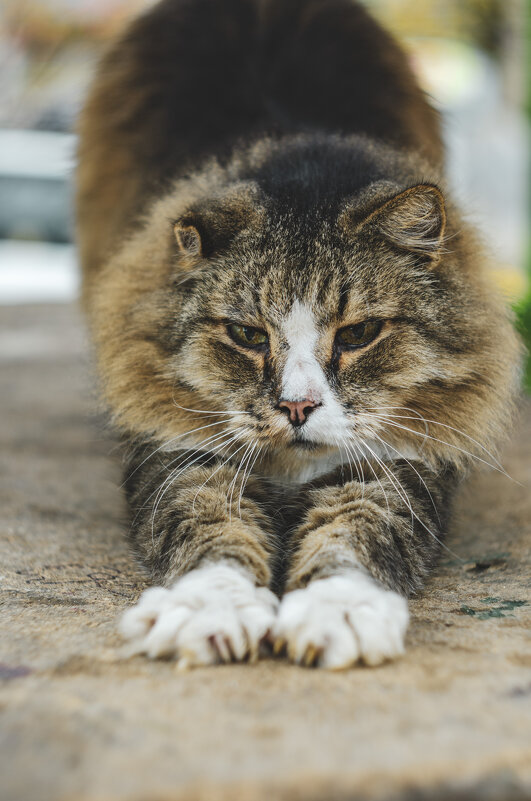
[298, 411]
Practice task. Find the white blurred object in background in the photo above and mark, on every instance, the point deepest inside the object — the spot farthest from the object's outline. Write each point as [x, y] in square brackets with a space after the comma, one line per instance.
[487, 142]
[37, 272]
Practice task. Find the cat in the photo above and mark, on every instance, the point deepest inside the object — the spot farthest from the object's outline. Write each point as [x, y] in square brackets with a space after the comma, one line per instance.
[293, 326]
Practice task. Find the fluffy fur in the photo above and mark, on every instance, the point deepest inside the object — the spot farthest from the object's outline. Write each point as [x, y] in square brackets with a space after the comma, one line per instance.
[272, 165]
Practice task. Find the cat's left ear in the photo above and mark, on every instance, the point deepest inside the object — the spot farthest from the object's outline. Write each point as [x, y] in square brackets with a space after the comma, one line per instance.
[414, 220]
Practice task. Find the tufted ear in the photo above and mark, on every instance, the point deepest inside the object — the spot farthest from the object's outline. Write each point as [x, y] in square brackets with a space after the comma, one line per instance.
[188, 239]
[413, 220]
[209, 226]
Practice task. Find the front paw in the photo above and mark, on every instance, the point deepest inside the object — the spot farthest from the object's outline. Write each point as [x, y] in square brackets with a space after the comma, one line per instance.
[212, 614]
[335, 622]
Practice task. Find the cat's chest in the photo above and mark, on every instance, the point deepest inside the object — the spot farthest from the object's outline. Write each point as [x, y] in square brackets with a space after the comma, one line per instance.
[294, 467]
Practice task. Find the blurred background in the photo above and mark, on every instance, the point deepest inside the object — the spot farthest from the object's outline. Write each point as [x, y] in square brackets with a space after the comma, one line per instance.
[470, 55]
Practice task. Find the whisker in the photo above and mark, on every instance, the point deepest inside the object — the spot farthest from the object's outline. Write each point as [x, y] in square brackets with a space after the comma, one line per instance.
[379, 482]
[218, 468]
[403, 494]
[226, 439]
[232, 484]
[183, 464]
[205, 411]
[184, 457]
[357, 464]
[387, 445]
[349, 447]
[189, 453]
[340, 443]
[170, 442]
[445, 425]
[246, 479]
[372, 417]
[180, 469]
[450, 445]
[243, 465]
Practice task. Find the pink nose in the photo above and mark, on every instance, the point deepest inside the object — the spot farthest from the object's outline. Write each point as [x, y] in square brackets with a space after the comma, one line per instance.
[298, 410]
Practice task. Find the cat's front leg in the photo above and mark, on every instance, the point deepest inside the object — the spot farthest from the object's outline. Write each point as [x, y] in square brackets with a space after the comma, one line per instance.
[358, 554]
[209, 551]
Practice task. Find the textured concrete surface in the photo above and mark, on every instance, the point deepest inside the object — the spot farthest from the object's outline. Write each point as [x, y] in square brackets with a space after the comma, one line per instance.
[451, 720]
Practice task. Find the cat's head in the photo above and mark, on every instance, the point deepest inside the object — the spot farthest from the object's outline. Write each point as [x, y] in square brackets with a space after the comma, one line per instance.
[308, 319]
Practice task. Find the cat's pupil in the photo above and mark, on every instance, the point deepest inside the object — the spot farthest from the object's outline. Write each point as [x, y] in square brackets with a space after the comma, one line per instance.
[247, 336]
[356, 336]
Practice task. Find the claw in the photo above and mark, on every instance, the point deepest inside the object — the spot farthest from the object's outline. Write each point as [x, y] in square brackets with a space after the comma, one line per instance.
[183, 664]
[311, 656]
[279, 645]
[292, 651]
[254, 652]
[221, 646]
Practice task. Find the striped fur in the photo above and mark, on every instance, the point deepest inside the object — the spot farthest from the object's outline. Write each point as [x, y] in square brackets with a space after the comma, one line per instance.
[216, 187]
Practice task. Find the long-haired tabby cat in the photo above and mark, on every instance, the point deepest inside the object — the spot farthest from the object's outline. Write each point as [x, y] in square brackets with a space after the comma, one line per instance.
[293, 328]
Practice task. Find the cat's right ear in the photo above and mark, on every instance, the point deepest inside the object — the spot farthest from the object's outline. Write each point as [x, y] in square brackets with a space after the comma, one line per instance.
[209, 227]
[188, 239]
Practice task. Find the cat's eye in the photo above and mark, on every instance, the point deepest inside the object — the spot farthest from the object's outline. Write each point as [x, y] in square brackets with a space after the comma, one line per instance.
[357, 336]
[248, 337]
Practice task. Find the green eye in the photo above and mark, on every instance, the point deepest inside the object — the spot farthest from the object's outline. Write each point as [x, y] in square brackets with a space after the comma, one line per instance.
[246, 336]
[357, 336]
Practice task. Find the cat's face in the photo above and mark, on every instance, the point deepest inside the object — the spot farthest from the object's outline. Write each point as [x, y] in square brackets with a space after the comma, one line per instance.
[340, 330]
[309, 335]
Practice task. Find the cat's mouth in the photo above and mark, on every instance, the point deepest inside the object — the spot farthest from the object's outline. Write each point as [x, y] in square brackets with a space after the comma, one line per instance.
[306, 445]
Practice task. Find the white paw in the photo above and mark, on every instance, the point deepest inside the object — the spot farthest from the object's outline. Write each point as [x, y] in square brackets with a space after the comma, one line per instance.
[335, 622]
[212, 614]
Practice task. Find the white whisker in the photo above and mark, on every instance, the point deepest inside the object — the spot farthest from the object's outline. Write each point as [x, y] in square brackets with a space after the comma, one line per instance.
[387, 445]
[181, 469]
[166, 444]
[205, 411]
[218, 468]
[403, 494]
[340, 444]
[444, 425]
[184, 456]
[450, 445]
[232, 484]
[246, 479]
[379, 482]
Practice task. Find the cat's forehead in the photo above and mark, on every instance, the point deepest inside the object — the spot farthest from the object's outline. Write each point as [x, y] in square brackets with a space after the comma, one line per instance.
[331, 286]
[287, 300]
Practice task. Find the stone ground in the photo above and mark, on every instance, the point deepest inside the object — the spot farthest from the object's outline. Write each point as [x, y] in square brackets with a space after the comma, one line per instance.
[451, 720]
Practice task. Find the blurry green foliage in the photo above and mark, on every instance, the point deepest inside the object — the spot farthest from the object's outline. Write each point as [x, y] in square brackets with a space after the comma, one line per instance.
[523, 308]
[485, 22]
[523, 322]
